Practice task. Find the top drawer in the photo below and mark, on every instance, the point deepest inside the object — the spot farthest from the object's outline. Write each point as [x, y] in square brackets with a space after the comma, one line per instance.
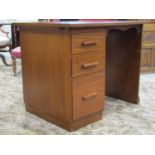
[88, 42]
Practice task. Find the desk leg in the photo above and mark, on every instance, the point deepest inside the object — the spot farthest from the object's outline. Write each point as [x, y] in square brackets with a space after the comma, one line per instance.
[123, 64]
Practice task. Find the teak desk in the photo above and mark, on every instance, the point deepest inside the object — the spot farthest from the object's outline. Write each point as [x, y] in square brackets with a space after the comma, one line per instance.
[69, 67]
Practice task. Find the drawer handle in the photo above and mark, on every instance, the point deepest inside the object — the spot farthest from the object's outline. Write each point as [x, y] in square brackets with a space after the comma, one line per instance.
[89, 96]
[88, 43]
[88, 65]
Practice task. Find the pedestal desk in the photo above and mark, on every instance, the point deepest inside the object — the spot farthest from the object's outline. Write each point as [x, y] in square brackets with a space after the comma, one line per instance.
[69, 67]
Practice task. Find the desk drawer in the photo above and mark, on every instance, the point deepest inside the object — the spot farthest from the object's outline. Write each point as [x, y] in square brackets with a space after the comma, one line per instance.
[88, 95]
[88, 42]
[88, 63]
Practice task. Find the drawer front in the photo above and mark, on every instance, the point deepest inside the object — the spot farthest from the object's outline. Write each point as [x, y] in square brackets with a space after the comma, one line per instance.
[88, 42]
[88, 95]
[88, 63]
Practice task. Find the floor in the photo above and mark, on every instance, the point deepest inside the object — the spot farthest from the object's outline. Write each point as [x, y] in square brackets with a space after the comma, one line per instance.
[119, 117]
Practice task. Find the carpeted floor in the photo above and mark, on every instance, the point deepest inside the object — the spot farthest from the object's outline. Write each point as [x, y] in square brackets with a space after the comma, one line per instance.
[119, 117]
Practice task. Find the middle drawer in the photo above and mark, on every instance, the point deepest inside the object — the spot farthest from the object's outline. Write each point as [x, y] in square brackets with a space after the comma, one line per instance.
[87, 63]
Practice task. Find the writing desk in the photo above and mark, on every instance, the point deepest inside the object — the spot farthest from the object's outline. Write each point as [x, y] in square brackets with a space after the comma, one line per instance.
[69, 67]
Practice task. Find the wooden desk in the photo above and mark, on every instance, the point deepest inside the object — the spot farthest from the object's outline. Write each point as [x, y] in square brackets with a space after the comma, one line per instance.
[68, 68]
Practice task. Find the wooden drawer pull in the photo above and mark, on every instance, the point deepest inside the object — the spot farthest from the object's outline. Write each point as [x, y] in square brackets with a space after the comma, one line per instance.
[88, 65]
[88, 43]
[89, 96]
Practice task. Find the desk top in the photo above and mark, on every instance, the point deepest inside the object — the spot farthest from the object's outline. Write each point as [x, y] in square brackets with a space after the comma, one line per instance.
[79, 24]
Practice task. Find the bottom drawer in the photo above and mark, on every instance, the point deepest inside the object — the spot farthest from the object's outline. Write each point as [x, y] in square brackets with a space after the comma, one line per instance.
[88, 95]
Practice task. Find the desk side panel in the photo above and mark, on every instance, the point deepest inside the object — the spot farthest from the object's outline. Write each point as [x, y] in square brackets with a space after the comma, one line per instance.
[123, 63]
[46, 69]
